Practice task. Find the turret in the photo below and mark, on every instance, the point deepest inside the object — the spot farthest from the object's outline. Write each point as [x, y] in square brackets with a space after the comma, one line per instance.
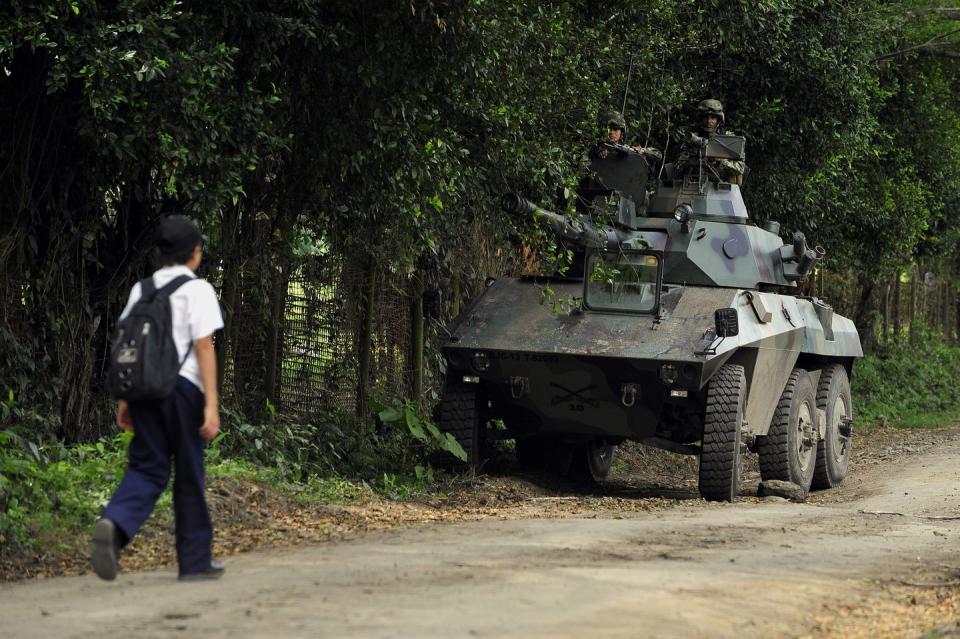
[697, 222]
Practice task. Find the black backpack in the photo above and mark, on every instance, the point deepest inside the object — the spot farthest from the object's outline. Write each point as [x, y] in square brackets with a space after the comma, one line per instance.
[143, 358]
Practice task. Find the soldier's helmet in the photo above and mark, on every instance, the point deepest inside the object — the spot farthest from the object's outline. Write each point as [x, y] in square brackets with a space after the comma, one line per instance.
[613, 120]
[710, 107]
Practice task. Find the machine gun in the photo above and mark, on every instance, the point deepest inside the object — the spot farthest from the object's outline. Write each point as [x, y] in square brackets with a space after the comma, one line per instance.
[703, 150]
[620, 149]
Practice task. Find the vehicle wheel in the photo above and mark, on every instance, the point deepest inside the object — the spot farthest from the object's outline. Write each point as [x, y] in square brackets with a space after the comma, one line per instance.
[460, 416]
[592, 461]
[833, 451]
[720, 458]
[789, 450]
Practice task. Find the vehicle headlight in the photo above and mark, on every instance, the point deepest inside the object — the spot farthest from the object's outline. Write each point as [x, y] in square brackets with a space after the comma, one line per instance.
[669, 373]
[480, 361]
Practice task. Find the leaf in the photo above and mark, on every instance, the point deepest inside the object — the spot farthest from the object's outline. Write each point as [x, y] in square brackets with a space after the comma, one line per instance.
[390, 415]
[450, 444]
[414, 425]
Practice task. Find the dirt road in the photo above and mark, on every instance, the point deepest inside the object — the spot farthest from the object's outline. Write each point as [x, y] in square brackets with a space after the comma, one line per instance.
[862, 561]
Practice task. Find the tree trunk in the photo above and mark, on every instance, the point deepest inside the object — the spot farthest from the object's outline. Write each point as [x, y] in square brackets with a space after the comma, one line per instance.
[956, 316]
[945, 310]
[896, 306]
[229, 289]
[886, 314]
[862, 317]
[914, 276]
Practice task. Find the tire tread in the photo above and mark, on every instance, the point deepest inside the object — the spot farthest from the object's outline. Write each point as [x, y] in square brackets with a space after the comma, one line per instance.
[821, 476]
[720, 445]
[459, 416]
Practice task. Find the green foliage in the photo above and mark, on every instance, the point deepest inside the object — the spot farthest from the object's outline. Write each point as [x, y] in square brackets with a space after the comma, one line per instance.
[297, 129]
[51, 486]
[407, 415]
[909, 385]
[294, 450]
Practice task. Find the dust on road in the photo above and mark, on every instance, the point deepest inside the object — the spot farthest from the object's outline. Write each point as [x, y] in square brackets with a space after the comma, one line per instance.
[868, 559]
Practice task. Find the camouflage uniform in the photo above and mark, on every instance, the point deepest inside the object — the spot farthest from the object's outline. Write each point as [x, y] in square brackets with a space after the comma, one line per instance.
[589, 186]
[608, 121]
[729, 170]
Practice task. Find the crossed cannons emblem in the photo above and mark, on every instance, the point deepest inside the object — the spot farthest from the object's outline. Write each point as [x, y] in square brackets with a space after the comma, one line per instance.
[574, 395]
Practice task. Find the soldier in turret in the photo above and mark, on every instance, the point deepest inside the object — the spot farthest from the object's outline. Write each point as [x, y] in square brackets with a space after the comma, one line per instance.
[710, 122]
[616, 126]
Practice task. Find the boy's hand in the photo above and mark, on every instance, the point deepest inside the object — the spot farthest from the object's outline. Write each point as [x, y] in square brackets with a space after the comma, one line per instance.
[123, 416]
[211, 423]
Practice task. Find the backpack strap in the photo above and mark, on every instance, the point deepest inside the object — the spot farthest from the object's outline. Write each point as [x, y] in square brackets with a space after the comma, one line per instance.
[171, 286]
[147, 288]
[165, 292]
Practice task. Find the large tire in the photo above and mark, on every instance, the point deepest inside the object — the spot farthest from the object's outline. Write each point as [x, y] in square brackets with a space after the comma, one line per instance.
[592, 461]
[720, 454]
[788, 452]
[833, 451]
[460, 416]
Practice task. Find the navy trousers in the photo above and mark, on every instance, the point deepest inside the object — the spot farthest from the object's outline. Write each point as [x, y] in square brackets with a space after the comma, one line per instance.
[163, 429]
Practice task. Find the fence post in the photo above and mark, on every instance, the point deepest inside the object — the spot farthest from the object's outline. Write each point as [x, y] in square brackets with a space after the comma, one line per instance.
[416, 337]
[273, 360]
[365, 342]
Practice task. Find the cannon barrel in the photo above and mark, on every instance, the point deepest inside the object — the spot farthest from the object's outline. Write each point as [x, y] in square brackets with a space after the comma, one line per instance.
[517, 204]
[577, 232]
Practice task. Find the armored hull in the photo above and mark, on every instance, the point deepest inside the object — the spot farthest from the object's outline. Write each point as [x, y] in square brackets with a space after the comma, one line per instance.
[570, 370]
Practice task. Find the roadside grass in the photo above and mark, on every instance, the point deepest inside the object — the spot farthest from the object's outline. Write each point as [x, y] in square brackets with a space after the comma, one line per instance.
[908, 385]
[51, 494]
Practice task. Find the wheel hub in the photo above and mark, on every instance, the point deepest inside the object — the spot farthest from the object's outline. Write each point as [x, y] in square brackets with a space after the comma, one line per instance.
[841, 441]
[806, 438]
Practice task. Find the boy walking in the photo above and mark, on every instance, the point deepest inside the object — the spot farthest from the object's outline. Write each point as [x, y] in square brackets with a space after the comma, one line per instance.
[173, 426]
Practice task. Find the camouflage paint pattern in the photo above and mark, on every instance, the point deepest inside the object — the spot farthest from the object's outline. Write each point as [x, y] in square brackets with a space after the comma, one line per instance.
[576, 364]
[645, 375]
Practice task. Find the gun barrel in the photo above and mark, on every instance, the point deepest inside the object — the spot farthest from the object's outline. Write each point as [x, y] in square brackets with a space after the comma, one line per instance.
[517, 204]
[579, 232]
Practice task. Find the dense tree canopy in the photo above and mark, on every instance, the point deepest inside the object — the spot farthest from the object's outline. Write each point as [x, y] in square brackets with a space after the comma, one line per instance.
[384, 131]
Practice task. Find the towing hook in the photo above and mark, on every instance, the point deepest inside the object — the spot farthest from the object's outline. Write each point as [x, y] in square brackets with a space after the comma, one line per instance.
[628, 394]
[519, 386]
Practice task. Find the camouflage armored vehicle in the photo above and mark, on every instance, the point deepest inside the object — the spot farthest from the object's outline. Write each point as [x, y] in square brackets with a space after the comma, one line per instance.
[685, 332]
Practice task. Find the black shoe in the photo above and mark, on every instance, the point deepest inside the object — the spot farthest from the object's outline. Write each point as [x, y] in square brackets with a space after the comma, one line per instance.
[105, 549]
[215, 571]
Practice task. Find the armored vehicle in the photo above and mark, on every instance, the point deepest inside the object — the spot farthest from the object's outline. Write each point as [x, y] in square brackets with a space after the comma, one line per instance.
[685, 331]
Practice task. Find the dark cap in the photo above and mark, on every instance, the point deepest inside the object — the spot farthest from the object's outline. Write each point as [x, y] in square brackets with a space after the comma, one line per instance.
[179, 234]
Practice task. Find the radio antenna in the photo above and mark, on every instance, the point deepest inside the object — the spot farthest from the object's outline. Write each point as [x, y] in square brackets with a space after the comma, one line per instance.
[626, 88]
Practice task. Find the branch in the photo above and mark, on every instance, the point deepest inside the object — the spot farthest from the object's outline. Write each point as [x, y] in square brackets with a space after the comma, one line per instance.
[939, 53]
[928, 47]
[947, 13]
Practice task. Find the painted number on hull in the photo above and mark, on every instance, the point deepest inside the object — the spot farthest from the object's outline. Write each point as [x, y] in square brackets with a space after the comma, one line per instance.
[513, 356]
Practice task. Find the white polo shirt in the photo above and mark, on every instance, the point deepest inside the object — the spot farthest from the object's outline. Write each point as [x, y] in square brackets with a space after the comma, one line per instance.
[196, 314]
